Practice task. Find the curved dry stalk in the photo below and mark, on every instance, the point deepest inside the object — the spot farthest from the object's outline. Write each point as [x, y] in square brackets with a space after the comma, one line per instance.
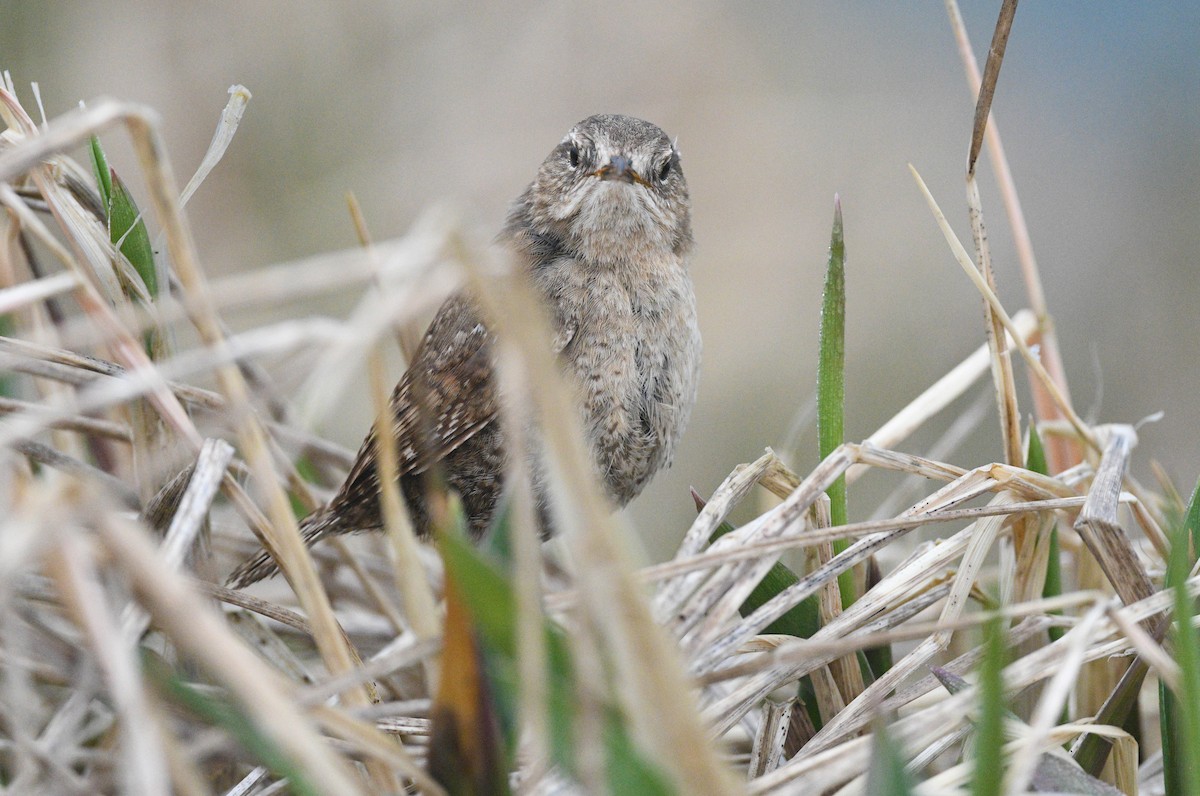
[1061, 452]
[1035, 365]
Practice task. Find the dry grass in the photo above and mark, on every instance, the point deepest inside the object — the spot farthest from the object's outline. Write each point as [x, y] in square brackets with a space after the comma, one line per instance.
[117, 644]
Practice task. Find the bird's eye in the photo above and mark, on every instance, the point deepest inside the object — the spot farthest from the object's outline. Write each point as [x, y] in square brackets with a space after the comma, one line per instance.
[665, 170]
[573, 156]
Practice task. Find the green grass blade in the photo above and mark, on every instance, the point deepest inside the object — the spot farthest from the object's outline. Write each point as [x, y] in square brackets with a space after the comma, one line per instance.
[1035, 454]
[801, 621]
[128, 231]
[1035, 460]
[1053, 584]
[492, 600]
[831, 382]
[308, 471]
[875, 661]
[1191, 520]
[627, 770]
[103, 173]
[126, 228]
[831, 362]
[1169, 721]
[988, 775]
[887, 775]
[1181, 711]
[8, 385]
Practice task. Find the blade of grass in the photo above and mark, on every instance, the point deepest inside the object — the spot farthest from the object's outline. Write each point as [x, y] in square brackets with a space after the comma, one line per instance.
[802, 620]
[231, 117]
[831, 410]
[831, 382]
[1191, 520]
[8, 383]
[1035, 460]
[1001, 361]
[1181, 711]
[991, 73]
[103, 173]
[887, 775]
[128, 232]
[627, 770]
[1063, 451]
[468, 754]
[1091, 752]
[1037, 370]
[491, 599]
[126, 228]
[988, 776]
[1169, 721]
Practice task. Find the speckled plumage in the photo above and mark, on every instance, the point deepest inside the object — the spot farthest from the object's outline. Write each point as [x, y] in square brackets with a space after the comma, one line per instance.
[604, 233]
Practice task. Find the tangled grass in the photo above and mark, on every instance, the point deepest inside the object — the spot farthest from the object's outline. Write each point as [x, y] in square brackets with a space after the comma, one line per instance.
[1007, 652]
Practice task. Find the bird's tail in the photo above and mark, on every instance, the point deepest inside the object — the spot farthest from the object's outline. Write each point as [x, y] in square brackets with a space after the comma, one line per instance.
[313, 528]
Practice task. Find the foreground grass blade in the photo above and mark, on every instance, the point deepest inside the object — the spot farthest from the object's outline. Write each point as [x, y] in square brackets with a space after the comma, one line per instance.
[8, 385]
[1169, 721]
[489, 596]
[103, 173]
[1180, 713]
[1054, 773]
[465, 754]
[988, 776]
[1191, 520]
[887, 775]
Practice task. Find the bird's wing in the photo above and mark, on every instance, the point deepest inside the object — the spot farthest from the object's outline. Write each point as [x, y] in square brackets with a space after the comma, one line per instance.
[450, 392]
[444, 398]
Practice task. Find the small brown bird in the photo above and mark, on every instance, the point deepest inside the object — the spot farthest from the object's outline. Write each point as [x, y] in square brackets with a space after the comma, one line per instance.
[603, 233]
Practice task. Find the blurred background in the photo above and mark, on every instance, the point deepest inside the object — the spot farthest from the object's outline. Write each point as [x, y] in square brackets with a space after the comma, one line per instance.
[777, 106]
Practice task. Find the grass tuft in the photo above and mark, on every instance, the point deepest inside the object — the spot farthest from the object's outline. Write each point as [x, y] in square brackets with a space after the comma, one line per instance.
[562, 668]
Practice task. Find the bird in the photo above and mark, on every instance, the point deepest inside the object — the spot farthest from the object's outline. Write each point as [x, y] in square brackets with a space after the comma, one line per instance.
[603, 235]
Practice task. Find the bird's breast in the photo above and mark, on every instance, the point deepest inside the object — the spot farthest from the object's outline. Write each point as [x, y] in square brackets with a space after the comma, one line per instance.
[633, 354]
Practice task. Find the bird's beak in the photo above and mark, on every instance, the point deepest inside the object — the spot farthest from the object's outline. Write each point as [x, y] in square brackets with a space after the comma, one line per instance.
[619, 167]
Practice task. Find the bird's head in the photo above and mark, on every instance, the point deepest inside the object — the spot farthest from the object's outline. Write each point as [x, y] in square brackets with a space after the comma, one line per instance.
[613, 190]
